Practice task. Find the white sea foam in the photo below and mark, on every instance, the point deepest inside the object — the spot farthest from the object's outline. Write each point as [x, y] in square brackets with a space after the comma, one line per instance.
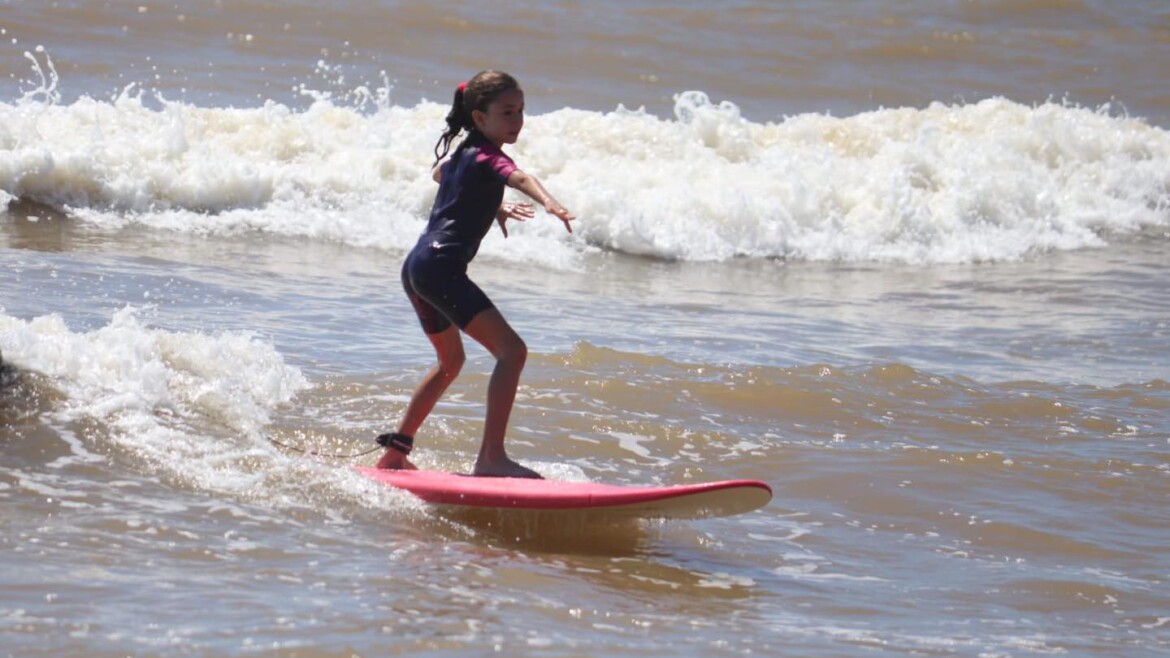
[127, 368]
[992, 180]
[158, 391]
[191, 407]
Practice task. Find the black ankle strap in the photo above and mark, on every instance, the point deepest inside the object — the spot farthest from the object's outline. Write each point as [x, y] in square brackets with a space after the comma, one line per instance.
[400, 442]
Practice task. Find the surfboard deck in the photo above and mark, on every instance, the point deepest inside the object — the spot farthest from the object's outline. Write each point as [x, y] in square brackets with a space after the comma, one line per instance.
[684, 501]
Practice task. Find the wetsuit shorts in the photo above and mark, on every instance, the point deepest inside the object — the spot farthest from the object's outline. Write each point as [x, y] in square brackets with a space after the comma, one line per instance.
[435, 279]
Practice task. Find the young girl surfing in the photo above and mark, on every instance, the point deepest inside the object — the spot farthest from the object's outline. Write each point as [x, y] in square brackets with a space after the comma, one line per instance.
[490, 107]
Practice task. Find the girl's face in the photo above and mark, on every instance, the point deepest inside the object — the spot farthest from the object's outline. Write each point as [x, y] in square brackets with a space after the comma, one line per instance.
[504, 118]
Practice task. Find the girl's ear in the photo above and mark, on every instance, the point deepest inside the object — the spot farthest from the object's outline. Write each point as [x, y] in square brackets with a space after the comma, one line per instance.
[478, 117]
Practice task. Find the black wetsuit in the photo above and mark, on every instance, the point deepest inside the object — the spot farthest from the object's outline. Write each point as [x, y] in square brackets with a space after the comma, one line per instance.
[435, 272]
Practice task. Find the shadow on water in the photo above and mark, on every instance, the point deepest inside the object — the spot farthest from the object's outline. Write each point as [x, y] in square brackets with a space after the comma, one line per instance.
[577, 532]
[38, 227]
[616, 553]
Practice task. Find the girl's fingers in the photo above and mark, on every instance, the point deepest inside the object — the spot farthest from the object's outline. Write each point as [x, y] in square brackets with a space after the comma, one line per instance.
[521, 211]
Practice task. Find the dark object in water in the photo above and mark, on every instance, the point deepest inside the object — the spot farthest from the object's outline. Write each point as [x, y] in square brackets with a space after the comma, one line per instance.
[8, 373]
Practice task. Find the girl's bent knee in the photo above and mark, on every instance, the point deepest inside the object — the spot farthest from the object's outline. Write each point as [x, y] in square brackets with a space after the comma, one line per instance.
[451, 366]
[515, 353]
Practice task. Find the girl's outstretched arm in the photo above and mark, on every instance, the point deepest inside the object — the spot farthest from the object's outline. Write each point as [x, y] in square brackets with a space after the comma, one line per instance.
[530, 185]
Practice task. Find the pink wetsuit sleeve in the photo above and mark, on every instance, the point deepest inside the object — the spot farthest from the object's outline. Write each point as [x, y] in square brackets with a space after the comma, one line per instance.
[497, 161]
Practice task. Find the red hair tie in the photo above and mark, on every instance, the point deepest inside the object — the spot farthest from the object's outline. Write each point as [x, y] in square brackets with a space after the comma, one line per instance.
[462, 87]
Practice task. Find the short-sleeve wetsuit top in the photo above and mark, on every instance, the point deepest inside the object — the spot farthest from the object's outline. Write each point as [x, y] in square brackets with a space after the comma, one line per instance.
[434, 275]
[470, 191]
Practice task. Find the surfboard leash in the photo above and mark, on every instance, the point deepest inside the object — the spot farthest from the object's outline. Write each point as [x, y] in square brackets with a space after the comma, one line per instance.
[315, 453]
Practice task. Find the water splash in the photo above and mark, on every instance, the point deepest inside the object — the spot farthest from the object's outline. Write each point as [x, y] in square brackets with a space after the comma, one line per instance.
[46, 81]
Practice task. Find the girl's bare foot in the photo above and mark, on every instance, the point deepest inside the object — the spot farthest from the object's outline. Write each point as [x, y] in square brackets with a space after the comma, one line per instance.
[505, 468]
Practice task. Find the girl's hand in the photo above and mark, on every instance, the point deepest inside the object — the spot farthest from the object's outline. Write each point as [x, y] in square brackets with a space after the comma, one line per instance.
[516, 211]
[555, 209]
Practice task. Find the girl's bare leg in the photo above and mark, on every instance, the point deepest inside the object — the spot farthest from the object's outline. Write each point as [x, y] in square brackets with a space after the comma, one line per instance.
[449, 349]
[491, 330]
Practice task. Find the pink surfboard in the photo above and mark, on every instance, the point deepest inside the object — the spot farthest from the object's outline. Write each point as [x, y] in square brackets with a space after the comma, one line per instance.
[685, 501]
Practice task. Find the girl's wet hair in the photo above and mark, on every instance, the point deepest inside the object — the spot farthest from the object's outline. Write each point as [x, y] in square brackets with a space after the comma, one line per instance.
[476, 94]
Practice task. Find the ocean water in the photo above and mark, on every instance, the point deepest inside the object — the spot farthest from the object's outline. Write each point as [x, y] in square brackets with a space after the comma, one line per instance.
[904, 261]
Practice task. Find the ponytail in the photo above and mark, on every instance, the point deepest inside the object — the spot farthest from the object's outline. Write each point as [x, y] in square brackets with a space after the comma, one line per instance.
[475, 94]
[458, 120]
